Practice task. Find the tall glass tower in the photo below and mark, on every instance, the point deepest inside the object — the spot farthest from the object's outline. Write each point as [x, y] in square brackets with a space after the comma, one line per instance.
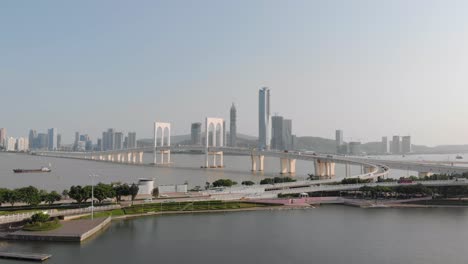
[233, 127]
[264, 126]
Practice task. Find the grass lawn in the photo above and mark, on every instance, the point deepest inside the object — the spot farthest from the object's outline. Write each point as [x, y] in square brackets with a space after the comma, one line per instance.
[47, 226]
[188, 206]
[116, 212]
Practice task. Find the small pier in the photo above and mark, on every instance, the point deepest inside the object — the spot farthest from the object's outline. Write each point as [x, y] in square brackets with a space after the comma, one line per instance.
[25, 256]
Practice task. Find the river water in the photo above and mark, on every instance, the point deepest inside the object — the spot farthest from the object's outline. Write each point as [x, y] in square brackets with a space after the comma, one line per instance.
[328, 234]
[186, 168]
[67, 172]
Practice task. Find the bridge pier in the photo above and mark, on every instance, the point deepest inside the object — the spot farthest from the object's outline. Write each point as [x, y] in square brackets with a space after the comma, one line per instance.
[163, 153]
[140, 157]
[324, 168]
[292, 166]
[261, 162]
[425, 174]
[288, 166]
[215, 155]
[368, 169]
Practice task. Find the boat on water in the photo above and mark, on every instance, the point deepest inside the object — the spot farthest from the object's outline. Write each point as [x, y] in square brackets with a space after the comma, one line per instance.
[459, 157]
[42, 169]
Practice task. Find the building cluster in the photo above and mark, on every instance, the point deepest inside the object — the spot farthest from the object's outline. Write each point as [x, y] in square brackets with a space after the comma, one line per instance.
[344, 148]
[51, 140]
[398, 145]
[112, 140]
[43, 141]
[273, 132]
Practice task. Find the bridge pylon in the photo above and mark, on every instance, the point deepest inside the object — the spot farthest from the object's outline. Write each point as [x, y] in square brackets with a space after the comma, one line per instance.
[162, 133]
[214, 129]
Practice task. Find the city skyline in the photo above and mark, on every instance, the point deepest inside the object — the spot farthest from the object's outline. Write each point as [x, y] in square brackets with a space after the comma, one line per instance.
[367, 61]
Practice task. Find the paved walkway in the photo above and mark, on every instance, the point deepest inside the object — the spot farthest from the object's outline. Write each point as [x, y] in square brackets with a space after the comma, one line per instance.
[76, 230]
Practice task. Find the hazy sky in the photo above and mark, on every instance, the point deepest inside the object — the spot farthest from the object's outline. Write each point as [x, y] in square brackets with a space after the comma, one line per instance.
[371, 68]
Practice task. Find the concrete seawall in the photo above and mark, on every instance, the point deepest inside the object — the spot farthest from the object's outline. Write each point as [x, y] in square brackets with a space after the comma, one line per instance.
[71, 231]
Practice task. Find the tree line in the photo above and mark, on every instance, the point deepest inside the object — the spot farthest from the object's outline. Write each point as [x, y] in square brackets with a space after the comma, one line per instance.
[32, 196]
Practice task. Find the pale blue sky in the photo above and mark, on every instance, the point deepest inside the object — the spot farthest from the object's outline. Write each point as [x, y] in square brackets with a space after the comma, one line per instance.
[371, 68]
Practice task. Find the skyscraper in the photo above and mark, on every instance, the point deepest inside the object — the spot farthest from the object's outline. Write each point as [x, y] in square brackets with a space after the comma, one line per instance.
[384, 145]
[118, 140]
[339, 141]
[224, 132]
[406, 145]
[42, 141]
[52, 139]
[277, 123]
[99, 144]
[108, 142]
[3, 138]
[10, 144]
[59, 141]
[264, 126]
[32, 139]
[396, 145]
[131, 140]
[77, 138]
[287, 134]
[233, 126]
[339, 137]
[195, 133]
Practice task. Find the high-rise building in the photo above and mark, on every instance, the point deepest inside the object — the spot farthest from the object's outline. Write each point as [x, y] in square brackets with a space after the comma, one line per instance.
[32, 138]
[10, 144]
[233, 126]
[287, 134]
[277, 123]
[84, 137]
[339, 137]
[59, 141]
[195, 133]
[406, 145]
[224, 132]
[3, 137]
[339, 142]
[52, 138]
[131, 140]
[355, 148]
[22, 144]
[264, 126]
[396, 145]
[293, 142]
[118, 140]
[77, 138]
[99, 145]
[384, 149]
[42, 141]
[108, 142]
[88, 145]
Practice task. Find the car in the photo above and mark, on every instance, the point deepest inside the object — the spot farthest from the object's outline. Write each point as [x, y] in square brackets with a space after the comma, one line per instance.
[149, 200]
[329, 156]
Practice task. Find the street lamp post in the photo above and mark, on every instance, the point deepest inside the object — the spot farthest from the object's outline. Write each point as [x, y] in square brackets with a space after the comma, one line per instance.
[92, 194]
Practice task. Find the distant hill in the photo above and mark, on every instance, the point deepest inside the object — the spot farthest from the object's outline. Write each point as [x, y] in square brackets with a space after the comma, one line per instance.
[242, 140]
[317, 144]
[323, 145]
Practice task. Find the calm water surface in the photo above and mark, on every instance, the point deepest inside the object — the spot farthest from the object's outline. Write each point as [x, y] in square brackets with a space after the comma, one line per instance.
[67, 172]
[329, 234]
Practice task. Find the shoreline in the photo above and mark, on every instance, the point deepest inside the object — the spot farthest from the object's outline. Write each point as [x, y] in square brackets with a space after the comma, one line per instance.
[266, 208]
